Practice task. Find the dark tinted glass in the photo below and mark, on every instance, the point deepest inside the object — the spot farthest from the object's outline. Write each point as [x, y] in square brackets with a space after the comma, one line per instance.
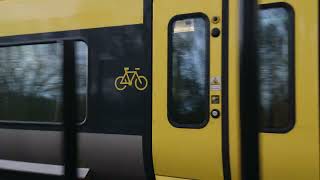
[188, 74]
[31, 82]
[276, 68]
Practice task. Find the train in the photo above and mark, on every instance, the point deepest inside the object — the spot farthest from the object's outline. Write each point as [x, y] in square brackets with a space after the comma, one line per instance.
[158, 87]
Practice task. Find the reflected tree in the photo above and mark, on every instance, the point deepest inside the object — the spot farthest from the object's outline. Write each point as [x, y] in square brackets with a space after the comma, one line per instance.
[31, 82]
[189, 72]
[273, 52]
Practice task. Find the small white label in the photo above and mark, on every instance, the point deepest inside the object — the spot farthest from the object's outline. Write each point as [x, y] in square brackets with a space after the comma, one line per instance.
[215, 83]
[184, 26]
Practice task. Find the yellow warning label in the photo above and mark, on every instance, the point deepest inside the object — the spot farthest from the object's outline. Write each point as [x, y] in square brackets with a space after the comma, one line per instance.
[215, 83]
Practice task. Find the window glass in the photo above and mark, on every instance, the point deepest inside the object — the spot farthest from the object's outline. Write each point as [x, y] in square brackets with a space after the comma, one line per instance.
[275, 68]
[31, 82]
[188, 72]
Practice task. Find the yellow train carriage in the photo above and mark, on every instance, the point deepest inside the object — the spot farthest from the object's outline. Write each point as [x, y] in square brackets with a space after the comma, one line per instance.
[158, 87]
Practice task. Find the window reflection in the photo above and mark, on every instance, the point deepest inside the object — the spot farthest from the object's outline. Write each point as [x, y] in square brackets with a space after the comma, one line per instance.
[31, 82]
[189, 76]
[275, 62]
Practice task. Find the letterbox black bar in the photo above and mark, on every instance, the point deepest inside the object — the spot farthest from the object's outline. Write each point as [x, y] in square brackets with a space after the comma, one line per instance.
[249, 91]
[69, 111]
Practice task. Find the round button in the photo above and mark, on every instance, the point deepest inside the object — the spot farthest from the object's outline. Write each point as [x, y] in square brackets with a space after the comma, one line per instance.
[215, 32]
[215, 113]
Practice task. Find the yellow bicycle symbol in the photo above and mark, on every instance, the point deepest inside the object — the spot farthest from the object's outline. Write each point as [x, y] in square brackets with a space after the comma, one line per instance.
[140, 82]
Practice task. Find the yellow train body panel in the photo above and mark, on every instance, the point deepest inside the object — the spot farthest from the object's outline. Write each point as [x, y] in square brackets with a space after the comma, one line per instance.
[184, 153]
[37, 16]
[291, 155]
[282, 153]
[169, 178]
[210, 151]
[294, 155]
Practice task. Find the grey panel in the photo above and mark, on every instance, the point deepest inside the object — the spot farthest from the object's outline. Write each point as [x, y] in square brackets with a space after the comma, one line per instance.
[108, 156]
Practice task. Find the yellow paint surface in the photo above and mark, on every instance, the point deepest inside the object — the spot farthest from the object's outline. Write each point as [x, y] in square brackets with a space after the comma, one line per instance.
[37, 16]
[234, 93]
[180, 152]
[294, 155]
[169, 178]
[196, 153]
[188, 153]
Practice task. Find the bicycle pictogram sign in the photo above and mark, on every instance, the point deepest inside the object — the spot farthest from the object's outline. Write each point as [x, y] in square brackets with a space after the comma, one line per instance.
[130, 78]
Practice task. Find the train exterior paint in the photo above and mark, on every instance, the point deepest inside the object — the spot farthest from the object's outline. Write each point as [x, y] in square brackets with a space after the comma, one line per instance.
[162, 95]
[109, 144]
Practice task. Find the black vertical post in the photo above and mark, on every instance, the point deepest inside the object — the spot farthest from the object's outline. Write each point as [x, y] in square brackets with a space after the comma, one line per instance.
[69, 111]
[249, 91]
[147, 135]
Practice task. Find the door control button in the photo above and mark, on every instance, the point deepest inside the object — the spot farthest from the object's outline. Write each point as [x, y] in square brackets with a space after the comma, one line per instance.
[215, 32]
[215, 113]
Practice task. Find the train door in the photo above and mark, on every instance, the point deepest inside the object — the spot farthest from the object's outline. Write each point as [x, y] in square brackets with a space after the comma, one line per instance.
[288, 84]
[186, 89]
[289, 89]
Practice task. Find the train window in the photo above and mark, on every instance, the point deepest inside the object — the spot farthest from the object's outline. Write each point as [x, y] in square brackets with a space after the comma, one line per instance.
[276, 68]
[188, 71]
[31, 82]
